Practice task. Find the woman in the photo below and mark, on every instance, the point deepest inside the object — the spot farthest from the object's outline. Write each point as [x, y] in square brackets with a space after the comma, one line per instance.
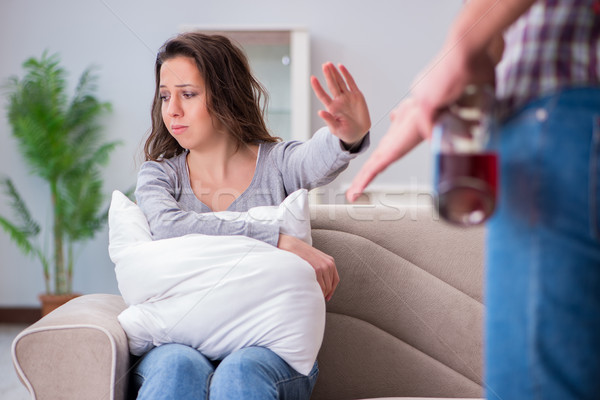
[209, 150]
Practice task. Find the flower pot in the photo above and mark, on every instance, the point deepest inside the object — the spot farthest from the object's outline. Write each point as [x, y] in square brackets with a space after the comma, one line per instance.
[51, 302]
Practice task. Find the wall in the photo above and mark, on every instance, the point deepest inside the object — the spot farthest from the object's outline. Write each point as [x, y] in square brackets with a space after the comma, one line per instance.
[384, 43]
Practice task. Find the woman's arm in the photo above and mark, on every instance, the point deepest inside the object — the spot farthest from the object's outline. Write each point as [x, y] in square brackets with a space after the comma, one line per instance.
[313, 163]
[319, 160]
[155, 195]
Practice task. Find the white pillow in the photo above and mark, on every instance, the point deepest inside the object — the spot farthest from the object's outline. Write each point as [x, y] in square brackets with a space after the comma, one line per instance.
[218, 293]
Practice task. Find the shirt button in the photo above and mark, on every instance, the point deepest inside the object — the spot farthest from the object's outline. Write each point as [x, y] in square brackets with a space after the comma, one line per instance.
[541, 114]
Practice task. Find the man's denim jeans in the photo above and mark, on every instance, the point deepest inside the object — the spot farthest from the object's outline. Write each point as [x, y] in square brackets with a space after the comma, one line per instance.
[543, 253]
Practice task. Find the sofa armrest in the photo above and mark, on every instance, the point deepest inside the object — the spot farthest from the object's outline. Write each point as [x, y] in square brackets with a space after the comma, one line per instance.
[78, 351]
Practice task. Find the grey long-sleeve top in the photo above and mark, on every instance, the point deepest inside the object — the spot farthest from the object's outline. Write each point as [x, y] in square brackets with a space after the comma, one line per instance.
[165, 195]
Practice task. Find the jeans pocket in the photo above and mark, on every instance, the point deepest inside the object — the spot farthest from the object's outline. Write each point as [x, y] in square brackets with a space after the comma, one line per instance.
[595, 180]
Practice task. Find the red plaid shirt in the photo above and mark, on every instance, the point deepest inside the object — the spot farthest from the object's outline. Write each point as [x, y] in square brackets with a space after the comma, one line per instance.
[554, 45]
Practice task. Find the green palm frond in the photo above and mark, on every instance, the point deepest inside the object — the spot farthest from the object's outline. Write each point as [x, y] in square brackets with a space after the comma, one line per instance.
[46, 77]
[36, 111]
[38, 148]
[82, 115]
[82, 192]
[101, 154]
[23, 232]
[84, 106]
[26, 225]
[20, 238]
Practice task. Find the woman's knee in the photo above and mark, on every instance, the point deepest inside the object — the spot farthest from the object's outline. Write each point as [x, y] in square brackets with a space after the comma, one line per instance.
[257, 372]
[175, 360]
[250, 360]
[172, 371]
[248, 370]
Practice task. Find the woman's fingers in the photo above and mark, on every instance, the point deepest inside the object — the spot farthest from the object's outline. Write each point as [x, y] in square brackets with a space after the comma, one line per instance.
[341, 83]
[335, 83]
[331, 275]
[349, 79]
[324, 281]
[336, 280]
[326, 273]
[332, 83]
[319, 91]
[329, 119]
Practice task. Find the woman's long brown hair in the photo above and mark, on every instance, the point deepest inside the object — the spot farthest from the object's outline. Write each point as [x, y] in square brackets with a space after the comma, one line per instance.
[233, 95]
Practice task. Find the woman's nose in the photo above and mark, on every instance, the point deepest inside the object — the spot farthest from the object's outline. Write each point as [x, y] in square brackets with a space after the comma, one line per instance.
[174, 109]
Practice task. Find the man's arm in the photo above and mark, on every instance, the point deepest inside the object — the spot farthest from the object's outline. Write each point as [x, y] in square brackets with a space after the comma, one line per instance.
[472, 49]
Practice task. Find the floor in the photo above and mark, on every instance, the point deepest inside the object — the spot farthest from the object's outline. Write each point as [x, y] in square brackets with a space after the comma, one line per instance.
[10, 386]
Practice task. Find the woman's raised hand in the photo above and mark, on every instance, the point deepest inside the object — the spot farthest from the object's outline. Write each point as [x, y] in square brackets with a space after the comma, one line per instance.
[346, 113]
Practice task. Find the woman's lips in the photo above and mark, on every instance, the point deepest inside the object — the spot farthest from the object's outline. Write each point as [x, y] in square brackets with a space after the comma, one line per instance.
[177, 129]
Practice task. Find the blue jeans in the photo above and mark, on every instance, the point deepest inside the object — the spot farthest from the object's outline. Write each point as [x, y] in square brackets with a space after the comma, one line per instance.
[542, 288]
[178, 372]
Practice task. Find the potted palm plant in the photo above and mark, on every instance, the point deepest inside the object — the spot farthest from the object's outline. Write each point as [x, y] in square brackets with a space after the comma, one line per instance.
[61, 142]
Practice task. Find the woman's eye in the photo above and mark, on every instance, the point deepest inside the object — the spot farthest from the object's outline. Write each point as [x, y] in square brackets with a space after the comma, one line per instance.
[164, 97]
[188, 95]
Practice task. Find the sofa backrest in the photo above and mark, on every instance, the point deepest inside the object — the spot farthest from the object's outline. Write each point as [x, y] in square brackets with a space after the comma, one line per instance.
[406, 318]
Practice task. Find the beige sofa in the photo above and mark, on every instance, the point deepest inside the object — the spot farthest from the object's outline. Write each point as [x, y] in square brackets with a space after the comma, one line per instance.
[405, 321]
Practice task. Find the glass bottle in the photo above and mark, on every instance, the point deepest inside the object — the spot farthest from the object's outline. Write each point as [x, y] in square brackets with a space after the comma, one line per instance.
[466, 172]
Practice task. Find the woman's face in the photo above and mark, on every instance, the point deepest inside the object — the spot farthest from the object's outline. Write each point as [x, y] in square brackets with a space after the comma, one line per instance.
[183, 95]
